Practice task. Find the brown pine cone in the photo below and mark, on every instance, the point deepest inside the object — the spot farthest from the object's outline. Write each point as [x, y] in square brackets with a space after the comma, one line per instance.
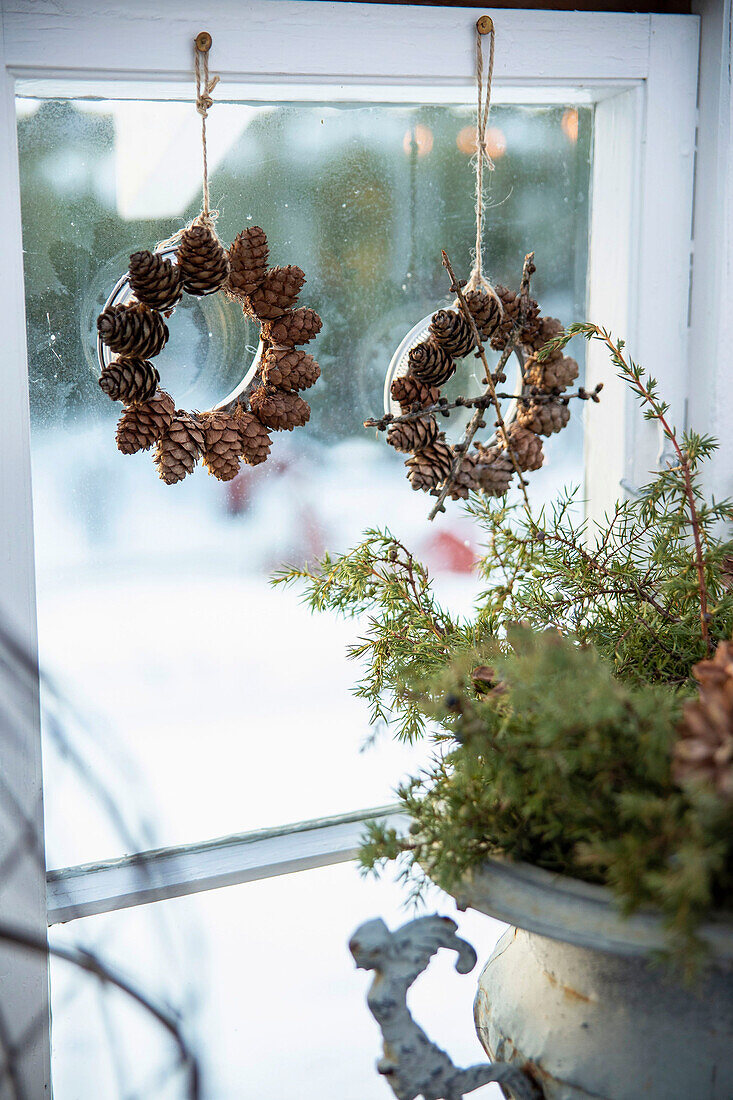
[130, 380]
[132, 330]
[289, 369]
[179, 449]
[277, 293]
[493, 470]
[292, 329]
[429, 467]
[408, 391]
[413, 435]
[140, 426]
[548, 328]
[465, 481]
[555, 373]
[203, 262]
[704, 751]
[530, 329]
[430, 363]
[222, 444]
[526, 447]
[255, 437]
[485, 310]
[452, 331]
[279, 411]
[247, 261]
[156, 282]
[543, 417]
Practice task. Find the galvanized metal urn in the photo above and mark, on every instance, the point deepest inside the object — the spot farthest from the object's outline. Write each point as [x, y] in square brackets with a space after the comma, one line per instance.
[572, 993]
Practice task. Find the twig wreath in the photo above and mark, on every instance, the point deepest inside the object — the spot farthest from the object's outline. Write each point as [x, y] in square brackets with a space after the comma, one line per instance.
[426, 361]
[135, 331]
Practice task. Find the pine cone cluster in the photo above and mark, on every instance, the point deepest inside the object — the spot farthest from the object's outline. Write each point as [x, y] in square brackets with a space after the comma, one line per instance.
[451, 330]
[409, 391]
[413, 435]
[465, 481]
[129, 380]
[510, 316]
[486, 309]
[279, 410]
[544, 417]
[156, 282]
[430, 363]
[551, 375]
[137, 332]
[704, 751]
[179, 448]
[222, 444]
[289, 369]
[493, 470]
[203, 262]
[526, 447]
[132, 329]
[429, 467]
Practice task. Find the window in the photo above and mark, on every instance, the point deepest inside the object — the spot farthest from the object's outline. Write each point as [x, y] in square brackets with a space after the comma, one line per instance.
[203, 693]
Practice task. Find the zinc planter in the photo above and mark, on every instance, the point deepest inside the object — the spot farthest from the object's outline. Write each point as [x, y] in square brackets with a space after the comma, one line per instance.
[573, 990]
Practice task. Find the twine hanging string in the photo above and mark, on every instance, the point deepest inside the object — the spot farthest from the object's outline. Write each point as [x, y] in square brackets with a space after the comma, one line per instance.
[204, 87]
[484, 26]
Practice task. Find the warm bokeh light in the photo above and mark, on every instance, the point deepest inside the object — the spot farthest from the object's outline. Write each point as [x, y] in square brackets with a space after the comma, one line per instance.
[422, 137]
[495, 141]
[570, 124]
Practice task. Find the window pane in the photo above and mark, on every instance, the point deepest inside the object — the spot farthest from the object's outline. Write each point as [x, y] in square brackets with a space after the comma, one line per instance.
[271, 999]
[207, 695]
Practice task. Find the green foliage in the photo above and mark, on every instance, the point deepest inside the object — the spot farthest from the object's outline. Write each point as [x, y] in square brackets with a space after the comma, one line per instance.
[567, 764]
[566, 767]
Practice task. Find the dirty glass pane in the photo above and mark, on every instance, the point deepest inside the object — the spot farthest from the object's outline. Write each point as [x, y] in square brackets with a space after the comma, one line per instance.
[203, 701]
[268, 993]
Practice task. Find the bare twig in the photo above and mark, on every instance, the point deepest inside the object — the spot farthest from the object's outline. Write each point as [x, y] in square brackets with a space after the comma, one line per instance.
[461, 449]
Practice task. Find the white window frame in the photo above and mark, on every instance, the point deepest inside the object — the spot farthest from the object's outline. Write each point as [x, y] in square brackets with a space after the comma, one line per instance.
[640, 71]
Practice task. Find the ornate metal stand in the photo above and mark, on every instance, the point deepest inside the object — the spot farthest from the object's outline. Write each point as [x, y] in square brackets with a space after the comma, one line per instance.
[413, 1065]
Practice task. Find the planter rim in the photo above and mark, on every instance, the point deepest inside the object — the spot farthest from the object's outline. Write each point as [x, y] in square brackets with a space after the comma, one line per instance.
[580, 913]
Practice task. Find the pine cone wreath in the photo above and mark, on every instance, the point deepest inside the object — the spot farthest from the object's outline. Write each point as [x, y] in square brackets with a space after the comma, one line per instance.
[203, 262]
[485, 309]
[279, 411]
[429, 467]
[277, 293]
[704, 751]
[297, 327]
[413, 435]
[140, 426]
[526, 447]
[247, 262]
[543, 417]
[130, 380]
[408, 391]
[465, 480]
[511, 308]
[154, 281]
[222, 444]
[556, 373]
[430, 363]
[289, 369]
[254, 435]
[452, 331]
[493, 470]
[132, 330]
[179, 449]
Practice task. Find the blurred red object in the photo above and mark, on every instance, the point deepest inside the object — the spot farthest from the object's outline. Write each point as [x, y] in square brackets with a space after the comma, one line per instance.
[447, 553]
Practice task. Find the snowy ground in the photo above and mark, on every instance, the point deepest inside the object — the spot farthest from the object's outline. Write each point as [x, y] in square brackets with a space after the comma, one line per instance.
[206, 703]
